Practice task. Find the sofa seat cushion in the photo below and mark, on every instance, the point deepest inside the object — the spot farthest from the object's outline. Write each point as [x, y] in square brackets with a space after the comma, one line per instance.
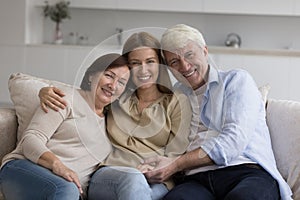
[283, 118]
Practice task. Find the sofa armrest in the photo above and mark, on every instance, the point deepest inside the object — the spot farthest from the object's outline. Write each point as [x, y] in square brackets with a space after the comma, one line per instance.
[8, 131]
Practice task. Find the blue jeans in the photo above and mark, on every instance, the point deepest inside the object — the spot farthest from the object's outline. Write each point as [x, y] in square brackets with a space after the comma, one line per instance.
[24, 180]
[123, 183]
[241, 182]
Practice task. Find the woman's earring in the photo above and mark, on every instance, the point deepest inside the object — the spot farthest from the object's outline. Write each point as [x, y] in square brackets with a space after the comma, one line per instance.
[89, 83]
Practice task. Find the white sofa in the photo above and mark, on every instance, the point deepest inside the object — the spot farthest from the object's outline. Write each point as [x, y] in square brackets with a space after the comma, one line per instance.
[283, 118]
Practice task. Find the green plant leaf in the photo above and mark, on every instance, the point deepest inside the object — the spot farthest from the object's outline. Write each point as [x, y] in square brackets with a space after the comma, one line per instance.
[58, 11]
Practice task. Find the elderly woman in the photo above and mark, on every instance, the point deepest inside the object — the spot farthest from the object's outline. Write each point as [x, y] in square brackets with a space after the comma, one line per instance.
[59, 151]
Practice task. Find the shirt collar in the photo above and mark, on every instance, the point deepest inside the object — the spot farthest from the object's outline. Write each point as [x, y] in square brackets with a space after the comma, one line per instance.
[212, 75]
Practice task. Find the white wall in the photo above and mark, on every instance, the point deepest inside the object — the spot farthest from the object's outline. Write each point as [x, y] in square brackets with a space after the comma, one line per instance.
[12, 13]
[20, 27]
[280, 72]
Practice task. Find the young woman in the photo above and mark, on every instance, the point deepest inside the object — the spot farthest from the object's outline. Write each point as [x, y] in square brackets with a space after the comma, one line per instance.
[60, 150]
[150, 119]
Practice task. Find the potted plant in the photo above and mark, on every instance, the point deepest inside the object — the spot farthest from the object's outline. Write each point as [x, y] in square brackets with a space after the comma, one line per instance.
[57, 13]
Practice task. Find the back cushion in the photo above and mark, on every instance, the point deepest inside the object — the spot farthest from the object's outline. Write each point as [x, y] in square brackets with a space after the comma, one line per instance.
[24, 90]
[283, 118]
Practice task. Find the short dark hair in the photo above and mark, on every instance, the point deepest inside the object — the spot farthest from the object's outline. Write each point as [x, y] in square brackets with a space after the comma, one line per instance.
[107, 61]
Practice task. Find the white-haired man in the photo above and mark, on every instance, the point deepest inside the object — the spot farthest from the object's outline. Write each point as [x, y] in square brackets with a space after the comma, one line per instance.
[230, 156]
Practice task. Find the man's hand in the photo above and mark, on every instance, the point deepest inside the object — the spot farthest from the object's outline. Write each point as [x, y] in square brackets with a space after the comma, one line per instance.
[158, 169]
[52, 97]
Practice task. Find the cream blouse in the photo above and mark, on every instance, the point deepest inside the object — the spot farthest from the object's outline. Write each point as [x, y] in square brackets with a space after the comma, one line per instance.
[161, 129]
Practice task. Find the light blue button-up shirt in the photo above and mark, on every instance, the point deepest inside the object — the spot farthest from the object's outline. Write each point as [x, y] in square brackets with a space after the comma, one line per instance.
[233, 107]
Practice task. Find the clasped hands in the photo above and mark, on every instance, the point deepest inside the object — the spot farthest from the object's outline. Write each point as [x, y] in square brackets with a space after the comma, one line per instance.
[158, 169]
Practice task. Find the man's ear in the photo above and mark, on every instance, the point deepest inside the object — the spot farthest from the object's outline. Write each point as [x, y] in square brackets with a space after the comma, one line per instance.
[205, 51]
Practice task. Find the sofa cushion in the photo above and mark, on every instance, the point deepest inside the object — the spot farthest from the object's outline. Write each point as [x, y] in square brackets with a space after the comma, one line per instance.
[24, 91]
[264, 91]
[283, 119]
[8, 131]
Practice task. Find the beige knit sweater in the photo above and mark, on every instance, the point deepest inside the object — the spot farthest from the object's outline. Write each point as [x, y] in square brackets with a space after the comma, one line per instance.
[76, 135]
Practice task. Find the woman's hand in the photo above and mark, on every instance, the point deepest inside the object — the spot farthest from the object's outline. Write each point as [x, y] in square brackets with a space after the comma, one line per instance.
[52, 162]
[60, 169]
[145, 168]
[158, 169]
[52, 97]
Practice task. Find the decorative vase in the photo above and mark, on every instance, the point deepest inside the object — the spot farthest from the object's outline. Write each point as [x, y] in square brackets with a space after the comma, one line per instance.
[58, 36]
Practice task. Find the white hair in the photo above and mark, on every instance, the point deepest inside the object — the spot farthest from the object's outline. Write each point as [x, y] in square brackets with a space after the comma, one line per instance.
[179, 35]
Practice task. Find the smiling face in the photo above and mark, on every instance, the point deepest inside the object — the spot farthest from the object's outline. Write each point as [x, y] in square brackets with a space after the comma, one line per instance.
[144, 63]
[189, 62]
[110, 84]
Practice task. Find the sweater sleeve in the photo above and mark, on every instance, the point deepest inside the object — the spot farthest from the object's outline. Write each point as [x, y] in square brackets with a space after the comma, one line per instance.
[39, 132]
